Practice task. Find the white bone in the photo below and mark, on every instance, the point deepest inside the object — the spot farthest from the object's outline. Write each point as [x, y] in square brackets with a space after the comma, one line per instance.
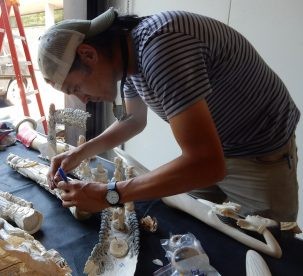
[119, 221]
[99, 174]
[256, 223]
[256, 265]
[203, 210]
[67, 116]
[39, 143]
[227, 209]
[100, 262]
[118, 172]
[22, 214]
[118, 247]
[21, 254]
[14, 199]
[129, 174]
[38, 173]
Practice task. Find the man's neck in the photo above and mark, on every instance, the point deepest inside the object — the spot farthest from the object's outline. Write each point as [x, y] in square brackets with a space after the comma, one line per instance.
[132, 54]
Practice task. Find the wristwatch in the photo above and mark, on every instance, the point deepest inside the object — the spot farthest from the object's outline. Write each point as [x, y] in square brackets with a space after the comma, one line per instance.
[112, 195]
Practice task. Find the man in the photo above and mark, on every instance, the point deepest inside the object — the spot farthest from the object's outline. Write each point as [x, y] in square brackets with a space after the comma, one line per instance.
[231, 115]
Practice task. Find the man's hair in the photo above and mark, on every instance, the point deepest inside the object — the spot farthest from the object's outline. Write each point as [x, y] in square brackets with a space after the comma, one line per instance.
[105, 42]
[58, 45]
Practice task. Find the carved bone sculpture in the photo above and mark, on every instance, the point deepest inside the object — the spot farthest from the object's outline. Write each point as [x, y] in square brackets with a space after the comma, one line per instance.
[119, 235]
[206, 211]
[38, 173]
[123, 247]
[21, 254]
[118, 173]
[83, 171]
[48, 145]
[67, 116]
[28, 136]
[21, 212]
[256, 265]
[99, 174]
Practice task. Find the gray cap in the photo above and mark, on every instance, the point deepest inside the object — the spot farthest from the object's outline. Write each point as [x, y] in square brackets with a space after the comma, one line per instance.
[57, 48]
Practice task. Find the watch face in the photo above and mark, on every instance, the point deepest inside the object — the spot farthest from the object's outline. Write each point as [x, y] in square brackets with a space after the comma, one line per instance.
[112, 197]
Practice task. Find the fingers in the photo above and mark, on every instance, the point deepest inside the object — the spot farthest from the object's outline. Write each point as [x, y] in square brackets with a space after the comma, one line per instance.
[54, 166]
[62, 185]
[68, 203]
[67, 195]
[52, 177]
[53, 180]
[51, 183]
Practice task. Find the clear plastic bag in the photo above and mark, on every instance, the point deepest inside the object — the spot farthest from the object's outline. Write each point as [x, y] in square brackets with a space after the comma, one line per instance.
[186, 256]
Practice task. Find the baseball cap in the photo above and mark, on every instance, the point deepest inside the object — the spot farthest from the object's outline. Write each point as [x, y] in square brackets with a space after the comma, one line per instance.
[57, 47]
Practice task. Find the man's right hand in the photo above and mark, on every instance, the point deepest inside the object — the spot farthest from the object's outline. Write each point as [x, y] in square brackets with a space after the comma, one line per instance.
[68, 161]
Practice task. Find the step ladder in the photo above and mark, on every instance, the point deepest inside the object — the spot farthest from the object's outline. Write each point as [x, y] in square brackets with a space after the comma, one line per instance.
[5, 28]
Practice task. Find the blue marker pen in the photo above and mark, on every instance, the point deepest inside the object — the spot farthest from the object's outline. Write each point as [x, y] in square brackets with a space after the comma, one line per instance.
[62, 174]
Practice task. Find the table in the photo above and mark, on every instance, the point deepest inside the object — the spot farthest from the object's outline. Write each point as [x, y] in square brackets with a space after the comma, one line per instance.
[74, 239]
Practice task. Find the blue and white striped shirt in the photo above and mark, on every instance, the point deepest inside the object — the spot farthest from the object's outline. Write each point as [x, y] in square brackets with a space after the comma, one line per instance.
[185, 57]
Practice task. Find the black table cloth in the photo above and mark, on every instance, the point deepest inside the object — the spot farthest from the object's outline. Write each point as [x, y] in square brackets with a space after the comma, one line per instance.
[74, 239]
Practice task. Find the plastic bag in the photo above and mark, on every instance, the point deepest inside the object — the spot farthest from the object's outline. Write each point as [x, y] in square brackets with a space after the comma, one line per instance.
[186, 256]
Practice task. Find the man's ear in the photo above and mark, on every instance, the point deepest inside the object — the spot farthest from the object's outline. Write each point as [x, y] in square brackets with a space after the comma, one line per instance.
[87, 53]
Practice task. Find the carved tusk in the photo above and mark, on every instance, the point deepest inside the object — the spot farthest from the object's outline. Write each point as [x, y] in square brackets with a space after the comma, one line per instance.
[26, 133]
[38, 173]
[255, 264]
[203, 210]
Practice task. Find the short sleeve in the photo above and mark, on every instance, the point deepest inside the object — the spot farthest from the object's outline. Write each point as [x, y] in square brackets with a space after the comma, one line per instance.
[129, 89]
[174, 65]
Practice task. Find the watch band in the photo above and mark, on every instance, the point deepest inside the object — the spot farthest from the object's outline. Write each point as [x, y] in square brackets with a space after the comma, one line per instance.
[111, 186]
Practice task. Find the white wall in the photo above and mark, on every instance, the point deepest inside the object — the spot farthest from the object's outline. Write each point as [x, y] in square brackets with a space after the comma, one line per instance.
[218, 9]
[74, 9]
[156, 145]
[275, 29]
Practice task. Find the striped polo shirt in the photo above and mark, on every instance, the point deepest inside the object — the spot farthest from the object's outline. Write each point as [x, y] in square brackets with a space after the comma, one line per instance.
[185, 57]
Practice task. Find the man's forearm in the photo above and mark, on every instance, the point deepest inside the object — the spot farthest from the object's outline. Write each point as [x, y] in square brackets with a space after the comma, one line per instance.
[178, 176]
[115, 135]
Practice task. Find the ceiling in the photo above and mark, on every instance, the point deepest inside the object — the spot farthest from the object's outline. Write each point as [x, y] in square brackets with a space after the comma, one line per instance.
[32, 6]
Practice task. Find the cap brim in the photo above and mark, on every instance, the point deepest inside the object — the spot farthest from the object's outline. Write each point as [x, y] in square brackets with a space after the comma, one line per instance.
[101, 22]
